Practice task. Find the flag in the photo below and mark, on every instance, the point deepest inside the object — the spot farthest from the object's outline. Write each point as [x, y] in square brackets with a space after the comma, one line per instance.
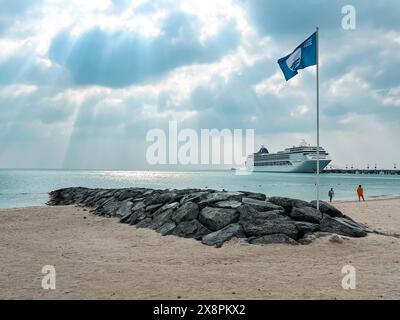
[303, 56]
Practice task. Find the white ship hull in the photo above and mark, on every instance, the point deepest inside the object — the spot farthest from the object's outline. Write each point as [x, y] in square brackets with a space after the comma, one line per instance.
[306, 166]
[301, 159]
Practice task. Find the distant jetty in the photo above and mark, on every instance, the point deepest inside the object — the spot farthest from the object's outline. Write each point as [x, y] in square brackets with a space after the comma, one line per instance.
[365, 171]
[214, 217]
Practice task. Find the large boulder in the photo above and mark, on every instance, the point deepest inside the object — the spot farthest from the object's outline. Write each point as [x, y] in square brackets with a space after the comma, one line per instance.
[288, 203]
[191, 229]
[126, 217]
[327, 208]
[162, 197]
[254, 195]
[137, 216]
[139, 205]
[271, 224]
[166, 228]
[342, 226]
[217, 218]
[221, 196]
[194, 197]
[188, 211]
[232, 204]
[153, 207]
[161, 218]
[110, 207]
[250, 213]
[306, 227]
[273, 238]
[145, 223]
[173, 205]
[124, 208]
[128, 194]
[308, 214]
[261, 205]
[217, 238]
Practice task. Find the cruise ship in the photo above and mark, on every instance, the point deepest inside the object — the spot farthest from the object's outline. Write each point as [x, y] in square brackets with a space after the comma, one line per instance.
[302, 159]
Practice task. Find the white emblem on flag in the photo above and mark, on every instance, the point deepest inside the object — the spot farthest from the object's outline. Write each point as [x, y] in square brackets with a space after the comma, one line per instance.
[294, 59]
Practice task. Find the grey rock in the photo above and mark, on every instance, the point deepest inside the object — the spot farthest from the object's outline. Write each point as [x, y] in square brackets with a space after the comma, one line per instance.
[125, 207]
[250, 213]
[342, 226]
[289, 203]
[161, 218]
[145, 223]
[221, 196]
[273, 238]
[254, 195]
[166, 228]
[327, 208]
[232, 204]
[217, 238]
[194, 197]
[138, 206]
[261, 205]
[172, 205]
[191, 229]
[138, 216]
[276, 224]
[126, 218]
[162, 197]
[153, 207]
[128, 194]
[110, 208]
[217, 218]
[188, 211]
[308, 214]
[306, 227]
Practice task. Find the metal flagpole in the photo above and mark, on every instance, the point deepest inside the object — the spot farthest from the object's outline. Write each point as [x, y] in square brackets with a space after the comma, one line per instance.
[317, 36]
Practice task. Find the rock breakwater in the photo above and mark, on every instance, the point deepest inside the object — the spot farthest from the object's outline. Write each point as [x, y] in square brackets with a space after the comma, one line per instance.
[214, 217]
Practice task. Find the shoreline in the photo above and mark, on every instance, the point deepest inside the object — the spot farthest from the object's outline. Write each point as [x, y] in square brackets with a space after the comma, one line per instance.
[370, 199]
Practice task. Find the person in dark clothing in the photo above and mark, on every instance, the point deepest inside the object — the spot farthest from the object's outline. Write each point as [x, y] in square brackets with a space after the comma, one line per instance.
[331, 194]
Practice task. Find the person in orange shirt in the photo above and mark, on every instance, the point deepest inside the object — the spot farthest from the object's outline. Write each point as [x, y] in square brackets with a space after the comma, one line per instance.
[360, 193]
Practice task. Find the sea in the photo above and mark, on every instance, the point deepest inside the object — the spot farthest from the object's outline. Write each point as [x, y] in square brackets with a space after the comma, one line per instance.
[23, 188]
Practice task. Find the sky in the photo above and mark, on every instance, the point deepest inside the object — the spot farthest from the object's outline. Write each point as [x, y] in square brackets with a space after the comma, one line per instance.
[82, 82]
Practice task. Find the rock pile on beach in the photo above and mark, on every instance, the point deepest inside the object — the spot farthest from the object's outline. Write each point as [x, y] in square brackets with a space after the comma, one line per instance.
[214, 217]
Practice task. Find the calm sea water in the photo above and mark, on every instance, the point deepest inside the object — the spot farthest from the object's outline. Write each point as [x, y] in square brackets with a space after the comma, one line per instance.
[21, 188]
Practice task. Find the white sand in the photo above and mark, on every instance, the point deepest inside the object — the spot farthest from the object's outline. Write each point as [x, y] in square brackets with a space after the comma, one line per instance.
[100, 258]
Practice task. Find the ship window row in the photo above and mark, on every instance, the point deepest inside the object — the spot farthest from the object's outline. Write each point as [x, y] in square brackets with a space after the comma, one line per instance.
[272, 157]
[272, 163]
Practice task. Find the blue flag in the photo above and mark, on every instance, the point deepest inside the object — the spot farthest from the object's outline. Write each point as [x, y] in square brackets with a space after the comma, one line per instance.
[303, 56]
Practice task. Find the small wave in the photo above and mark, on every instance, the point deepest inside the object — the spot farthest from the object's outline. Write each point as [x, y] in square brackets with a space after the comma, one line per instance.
[22, 193]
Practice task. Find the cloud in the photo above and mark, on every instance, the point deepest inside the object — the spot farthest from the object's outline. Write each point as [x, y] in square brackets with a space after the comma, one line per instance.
[118, 59]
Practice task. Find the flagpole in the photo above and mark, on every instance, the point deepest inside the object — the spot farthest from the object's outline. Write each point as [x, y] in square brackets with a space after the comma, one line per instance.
[317, 36]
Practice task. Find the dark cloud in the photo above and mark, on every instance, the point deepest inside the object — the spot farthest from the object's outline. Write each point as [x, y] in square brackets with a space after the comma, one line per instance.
[118, 59]
[288, 18]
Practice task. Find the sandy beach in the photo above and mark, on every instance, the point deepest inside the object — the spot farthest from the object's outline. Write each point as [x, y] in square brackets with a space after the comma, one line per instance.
[99, 258]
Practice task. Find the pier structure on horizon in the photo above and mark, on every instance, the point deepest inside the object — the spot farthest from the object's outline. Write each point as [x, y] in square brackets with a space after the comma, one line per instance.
[352, 170]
